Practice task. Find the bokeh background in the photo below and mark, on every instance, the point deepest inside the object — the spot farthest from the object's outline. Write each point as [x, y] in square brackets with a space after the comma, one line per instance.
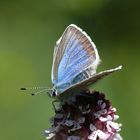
[28, 32]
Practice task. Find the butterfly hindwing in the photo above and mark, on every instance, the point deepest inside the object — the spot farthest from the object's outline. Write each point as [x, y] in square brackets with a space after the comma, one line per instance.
[87, 82]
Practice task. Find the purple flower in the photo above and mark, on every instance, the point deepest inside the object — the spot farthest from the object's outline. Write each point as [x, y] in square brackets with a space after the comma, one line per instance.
[87, 116]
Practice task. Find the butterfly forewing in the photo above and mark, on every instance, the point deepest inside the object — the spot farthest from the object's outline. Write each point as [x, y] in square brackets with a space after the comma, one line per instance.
[74, 54]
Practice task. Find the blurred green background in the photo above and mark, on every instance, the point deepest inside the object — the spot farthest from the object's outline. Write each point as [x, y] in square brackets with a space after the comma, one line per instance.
[28, 32]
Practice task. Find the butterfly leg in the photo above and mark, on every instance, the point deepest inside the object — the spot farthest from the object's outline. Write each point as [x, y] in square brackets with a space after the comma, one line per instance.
[54, 106]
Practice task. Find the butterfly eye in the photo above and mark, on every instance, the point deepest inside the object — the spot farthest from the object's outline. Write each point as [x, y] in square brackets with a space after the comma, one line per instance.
[53, 92]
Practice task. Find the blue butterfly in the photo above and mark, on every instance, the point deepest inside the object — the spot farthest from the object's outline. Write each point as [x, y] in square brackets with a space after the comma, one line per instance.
[75, 61]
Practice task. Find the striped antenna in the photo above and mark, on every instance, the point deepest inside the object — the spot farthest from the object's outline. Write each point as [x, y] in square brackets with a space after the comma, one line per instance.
[36, 88]
[33, 88]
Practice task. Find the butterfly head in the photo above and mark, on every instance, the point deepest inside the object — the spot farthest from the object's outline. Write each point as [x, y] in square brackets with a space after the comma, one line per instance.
[53, 92]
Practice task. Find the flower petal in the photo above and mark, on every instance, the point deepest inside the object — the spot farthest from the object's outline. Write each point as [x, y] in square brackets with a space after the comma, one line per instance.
[92, 127]
[101, 134]
[93, 135]
[117, 137]
[73, 138]
[69, 123]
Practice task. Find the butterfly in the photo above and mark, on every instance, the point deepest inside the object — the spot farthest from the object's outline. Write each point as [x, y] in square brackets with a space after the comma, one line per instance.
[75, 61]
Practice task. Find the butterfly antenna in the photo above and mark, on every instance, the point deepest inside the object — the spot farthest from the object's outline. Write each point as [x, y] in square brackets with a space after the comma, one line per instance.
[36, 88]
[33, 88]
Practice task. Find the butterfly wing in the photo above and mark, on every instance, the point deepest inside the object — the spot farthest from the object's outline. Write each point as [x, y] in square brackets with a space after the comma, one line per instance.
[74, 54]
[87, 82]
